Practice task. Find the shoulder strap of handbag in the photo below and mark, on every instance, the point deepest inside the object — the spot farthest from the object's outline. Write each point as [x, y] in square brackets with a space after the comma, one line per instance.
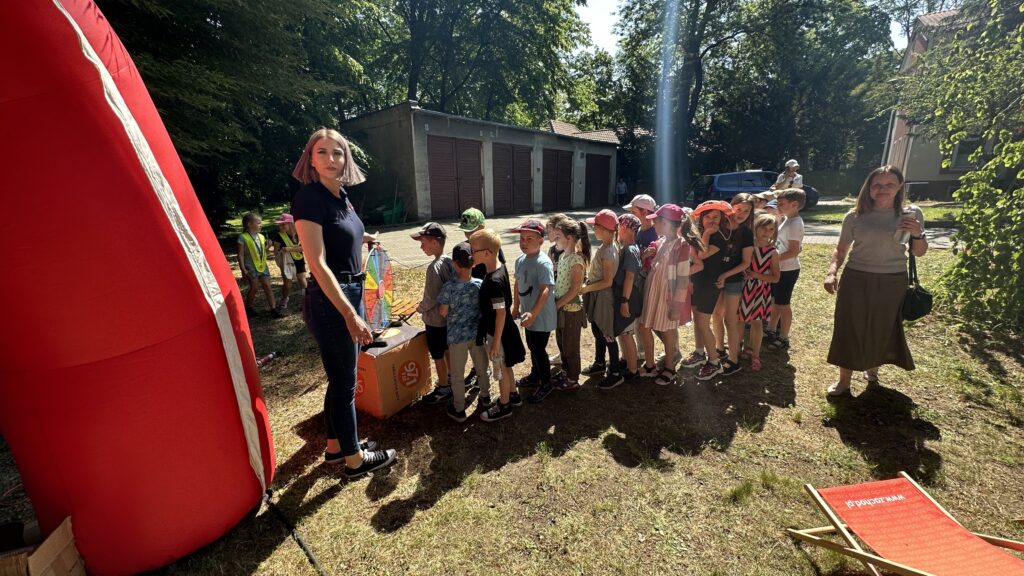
[912, 268]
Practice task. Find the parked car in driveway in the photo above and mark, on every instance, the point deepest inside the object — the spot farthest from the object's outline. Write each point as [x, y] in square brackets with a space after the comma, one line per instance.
[728, 184]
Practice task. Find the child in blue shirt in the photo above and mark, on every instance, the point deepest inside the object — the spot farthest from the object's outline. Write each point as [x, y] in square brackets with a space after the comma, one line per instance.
[534, 297]
[459, 304]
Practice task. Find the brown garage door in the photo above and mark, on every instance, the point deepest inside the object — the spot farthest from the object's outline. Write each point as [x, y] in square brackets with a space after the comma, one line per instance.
[557, 186]
[456, 181]
[597, 189]
[512, 179]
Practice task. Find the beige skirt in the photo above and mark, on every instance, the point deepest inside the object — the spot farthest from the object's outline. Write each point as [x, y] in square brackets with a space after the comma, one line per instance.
[868, 329]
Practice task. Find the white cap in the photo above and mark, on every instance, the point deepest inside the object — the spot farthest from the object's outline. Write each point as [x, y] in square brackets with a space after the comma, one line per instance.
[791, 163]
[642, 201]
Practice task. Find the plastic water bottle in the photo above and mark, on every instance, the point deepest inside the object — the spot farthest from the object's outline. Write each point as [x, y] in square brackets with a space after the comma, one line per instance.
[902, 236]
[261, 362]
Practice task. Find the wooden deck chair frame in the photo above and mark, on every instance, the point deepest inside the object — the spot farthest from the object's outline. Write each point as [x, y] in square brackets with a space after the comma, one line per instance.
[871, 561]
[402, 309]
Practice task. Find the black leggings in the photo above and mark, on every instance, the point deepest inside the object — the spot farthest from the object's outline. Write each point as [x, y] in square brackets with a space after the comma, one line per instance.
[600, 345]
[537, 342]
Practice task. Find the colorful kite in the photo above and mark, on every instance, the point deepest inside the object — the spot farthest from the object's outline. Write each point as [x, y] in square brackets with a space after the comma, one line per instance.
[378, 289]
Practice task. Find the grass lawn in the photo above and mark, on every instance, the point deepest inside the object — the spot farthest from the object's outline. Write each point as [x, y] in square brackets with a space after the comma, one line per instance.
[691, 478]
[933, 211]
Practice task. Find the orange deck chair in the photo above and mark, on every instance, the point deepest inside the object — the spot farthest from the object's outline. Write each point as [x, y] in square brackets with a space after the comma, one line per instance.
[908, 531]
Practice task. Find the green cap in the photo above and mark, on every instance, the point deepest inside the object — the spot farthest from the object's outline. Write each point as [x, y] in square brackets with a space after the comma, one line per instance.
[471, 219]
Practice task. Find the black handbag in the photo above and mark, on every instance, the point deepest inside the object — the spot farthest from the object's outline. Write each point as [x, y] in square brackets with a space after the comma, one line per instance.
[918, 302]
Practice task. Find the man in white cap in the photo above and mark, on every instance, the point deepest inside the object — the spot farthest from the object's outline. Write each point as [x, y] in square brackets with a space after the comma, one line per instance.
[642, 206]
[789, 178]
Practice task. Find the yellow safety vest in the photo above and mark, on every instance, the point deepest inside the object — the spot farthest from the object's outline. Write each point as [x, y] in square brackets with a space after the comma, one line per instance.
[258, 254]
[288, 243]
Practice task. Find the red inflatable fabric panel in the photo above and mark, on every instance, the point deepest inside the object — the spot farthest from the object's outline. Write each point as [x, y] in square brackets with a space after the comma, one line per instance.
[128, 389]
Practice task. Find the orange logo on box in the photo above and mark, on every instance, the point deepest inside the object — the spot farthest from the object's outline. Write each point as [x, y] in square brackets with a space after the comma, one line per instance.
[360, 385]
[409, 374]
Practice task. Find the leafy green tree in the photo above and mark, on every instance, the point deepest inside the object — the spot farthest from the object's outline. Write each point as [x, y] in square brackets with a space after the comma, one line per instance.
[491, 59]
[972, 87]
[810, 87]
[238, 85]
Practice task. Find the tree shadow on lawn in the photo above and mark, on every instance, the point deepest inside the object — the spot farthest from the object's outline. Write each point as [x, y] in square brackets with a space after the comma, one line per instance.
[1002, 354]
[880, 423]
[684, 418]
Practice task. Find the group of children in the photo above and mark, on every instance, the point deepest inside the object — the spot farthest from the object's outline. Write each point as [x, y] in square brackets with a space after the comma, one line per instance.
[722, 265]
[253, 253]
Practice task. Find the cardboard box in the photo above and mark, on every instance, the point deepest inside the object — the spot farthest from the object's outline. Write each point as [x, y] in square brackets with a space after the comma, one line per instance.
[56, 556]
[391, 377]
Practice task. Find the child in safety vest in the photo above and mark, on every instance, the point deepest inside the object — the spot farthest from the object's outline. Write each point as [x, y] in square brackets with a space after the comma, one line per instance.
[288, 253]
[252, 260]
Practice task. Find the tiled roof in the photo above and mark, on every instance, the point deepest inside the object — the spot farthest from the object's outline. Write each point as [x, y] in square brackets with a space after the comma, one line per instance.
[936, 18]
[606, 135]
[559, 127]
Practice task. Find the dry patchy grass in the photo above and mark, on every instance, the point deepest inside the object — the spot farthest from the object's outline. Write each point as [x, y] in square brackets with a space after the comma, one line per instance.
[691, 478]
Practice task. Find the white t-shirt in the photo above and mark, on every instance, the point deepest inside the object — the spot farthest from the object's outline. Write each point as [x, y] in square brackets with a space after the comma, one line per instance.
[791, 229]
[782, 183]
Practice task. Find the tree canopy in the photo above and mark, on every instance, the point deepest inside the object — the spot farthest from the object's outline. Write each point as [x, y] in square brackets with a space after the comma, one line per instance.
[748, 82]
[971, 89]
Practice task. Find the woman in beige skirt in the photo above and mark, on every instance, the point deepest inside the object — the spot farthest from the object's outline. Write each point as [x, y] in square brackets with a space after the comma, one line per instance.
[877, 235]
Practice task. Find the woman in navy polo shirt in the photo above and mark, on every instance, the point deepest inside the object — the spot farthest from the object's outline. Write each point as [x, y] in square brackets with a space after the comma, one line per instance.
[332, 235]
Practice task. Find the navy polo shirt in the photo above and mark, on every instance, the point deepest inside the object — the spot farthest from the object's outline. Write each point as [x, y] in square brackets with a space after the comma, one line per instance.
[342, 228]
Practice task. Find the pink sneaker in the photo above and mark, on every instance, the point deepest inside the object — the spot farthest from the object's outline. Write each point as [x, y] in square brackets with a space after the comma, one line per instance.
[755, 363]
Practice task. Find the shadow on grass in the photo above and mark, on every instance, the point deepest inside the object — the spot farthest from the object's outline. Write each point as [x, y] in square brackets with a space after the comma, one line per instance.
[1002, 354]
[880, 424]
[639, 421]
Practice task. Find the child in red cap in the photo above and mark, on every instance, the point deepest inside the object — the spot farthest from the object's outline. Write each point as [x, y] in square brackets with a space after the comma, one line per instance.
[666, 298]
[598, 299]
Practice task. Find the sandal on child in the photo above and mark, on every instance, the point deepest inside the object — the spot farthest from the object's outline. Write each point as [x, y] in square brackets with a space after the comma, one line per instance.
[666, 377]
[755, 363]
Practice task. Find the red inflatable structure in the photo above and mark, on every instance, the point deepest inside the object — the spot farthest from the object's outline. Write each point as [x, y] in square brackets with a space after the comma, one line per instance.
[129, 393]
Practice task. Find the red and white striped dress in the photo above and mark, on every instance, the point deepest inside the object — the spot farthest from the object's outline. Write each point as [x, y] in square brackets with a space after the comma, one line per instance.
[670, 272]
[756, 302]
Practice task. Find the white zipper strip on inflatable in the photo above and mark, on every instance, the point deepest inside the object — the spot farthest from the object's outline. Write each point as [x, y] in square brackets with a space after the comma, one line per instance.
[189, 244]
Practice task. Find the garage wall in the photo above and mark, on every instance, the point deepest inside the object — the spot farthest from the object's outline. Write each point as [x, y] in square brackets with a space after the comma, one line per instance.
[426, 123]
[387, 136]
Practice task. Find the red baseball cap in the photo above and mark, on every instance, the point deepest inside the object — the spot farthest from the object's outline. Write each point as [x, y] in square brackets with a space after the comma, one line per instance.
[669, 212]
[605, 219]
[531, 225]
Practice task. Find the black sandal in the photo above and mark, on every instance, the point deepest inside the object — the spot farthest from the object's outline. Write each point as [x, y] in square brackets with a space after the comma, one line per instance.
[666, 377]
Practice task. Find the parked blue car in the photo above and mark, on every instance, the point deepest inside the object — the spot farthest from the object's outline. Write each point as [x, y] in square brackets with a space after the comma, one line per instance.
[728, 184]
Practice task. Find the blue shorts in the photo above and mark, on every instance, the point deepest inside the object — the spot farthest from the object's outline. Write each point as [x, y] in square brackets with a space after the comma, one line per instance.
[733, 288]
[253, 273]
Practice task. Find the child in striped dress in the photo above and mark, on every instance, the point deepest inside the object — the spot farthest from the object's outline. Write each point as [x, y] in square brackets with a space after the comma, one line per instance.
[666, 294]
[756, 301]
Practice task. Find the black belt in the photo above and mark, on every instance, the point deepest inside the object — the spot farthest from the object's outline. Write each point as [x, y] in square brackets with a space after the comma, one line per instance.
[345, 278]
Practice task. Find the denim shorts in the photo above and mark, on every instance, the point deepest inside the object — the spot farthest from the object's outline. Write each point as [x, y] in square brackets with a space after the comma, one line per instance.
[733, 288]
[251, 270]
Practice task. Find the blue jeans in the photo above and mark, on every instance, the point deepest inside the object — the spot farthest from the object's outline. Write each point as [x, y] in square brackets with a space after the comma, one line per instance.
[339, 355]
